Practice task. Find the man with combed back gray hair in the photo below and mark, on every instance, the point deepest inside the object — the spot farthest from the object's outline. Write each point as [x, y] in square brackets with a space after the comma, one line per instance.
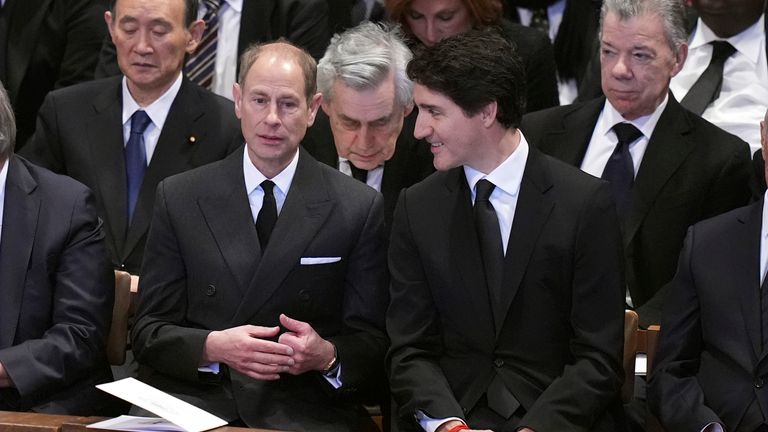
[668, 167]
[368, 107]
[56, 284]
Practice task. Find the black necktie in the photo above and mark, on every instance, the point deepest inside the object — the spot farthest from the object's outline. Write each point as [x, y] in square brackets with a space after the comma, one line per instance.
[707, 88]
[135, 159]
[201, 65]
[358, 173]
[489, 235]
[620, 171]
[265, 221]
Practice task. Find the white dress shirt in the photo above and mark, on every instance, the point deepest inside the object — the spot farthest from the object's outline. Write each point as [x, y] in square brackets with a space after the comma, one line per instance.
[374, 178]
[567, 89]
[507, 177]
[226, 45]
[604, 139]
[157, 112]
[3, 178]
[744, 93]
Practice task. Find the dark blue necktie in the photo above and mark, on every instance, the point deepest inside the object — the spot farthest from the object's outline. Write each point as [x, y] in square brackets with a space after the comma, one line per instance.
[135, 159]
[620, 171]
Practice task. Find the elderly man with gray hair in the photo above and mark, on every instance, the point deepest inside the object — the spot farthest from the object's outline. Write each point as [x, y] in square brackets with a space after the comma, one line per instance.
[668, 167]
[56, 284]
[367, 127]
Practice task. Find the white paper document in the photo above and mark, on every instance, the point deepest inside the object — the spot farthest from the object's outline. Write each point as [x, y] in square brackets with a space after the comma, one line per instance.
[185, 416]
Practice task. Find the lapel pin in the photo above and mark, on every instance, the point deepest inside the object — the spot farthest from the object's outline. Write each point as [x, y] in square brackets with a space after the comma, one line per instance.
[192, 139]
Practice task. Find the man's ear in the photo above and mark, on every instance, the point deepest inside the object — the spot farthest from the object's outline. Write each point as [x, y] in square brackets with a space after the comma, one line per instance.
[195, 31]
[314, 105]
[488, 113]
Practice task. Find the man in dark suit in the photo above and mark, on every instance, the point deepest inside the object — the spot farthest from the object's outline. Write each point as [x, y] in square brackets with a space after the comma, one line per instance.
[367, 98]
[242, 23]
[264, 290]
[85, 130]
[44, 45]
[711, 366]
[56, 285]
[505, 314]
[677, 170]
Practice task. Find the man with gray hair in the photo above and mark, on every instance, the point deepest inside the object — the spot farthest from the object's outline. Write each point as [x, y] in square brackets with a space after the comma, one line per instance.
[367, 129]
[668, 168]
[56, 284]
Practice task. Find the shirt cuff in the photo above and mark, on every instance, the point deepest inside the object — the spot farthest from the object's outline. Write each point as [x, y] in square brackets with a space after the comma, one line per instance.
[334, 376]
[713, 427]
[211, 368]
[430, 425]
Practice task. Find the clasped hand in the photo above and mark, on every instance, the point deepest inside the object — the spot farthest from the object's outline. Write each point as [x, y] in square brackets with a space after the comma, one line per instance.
[248, 350]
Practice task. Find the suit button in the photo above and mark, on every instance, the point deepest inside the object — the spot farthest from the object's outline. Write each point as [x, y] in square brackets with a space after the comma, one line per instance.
[304, 295]
[210, 291]
[759, 383]
[498, 362]
[122, 266]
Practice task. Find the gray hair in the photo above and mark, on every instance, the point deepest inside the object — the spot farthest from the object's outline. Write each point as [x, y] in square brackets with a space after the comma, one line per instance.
[7, 126]
[671, 12]
[363, 57]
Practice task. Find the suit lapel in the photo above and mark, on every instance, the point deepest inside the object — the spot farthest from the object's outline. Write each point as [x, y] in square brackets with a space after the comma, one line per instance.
[19, 226]
[746, 257]
[569, 141]
[105, 138]
[26, 18]
[228, 216]
[667, 149]
[306, 208]
[531, 214]
[172, 154]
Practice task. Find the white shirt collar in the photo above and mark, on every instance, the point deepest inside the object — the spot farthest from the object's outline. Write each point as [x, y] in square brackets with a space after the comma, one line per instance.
[508, 175]
[157, 110]
[748, 42]
[646, 124]
[254, 177]
[3, 180]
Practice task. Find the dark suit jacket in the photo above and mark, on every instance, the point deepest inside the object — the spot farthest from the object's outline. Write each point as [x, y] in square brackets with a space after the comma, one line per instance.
[691, 170]
[411, 162]
[51, 44]
[711, 366]
[303, 22]
[80, 134]
[57, 291]
[559, 348]
[206, 271]
[535, 51]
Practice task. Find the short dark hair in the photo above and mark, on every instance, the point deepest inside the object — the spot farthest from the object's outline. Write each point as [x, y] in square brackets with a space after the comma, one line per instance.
[474, 69]
[190, 10]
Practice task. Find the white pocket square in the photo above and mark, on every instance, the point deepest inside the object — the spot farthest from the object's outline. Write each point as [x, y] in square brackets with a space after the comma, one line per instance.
[319, 260]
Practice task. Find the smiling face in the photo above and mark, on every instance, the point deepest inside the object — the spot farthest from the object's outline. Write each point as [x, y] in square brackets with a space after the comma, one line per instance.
[273, 110]
[365, 123]
[151, 40]
[452, 135]
[434, 20]
[637, 63]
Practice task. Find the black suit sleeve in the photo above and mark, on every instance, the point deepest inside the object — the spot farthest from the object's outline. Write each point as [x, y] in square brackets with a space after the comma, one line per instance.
[675, 395]
[82, 285]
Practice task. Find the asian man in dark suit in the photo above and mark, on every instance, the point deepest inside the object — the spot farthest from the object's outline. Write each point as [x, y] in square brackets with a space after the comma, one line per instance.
[678, 169]
[365, 128]
[56, 285]
[711, 368]
[506, 294]
[85, 130]
[264, 285]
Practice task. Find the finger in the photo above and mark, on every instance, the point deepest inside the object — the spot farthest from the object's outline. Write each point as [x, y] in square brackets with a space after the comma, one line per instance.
[270, 347]
[272, 359]
[290, 339]
[262, 332]
[293, 325]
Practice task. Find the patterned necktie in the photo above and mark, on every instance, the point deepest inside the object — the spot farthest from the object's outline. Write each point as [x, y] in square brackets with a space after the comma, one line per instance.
[201, 65]
[135, 159]
[620, 171]
[706, 89]
[267, 218]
